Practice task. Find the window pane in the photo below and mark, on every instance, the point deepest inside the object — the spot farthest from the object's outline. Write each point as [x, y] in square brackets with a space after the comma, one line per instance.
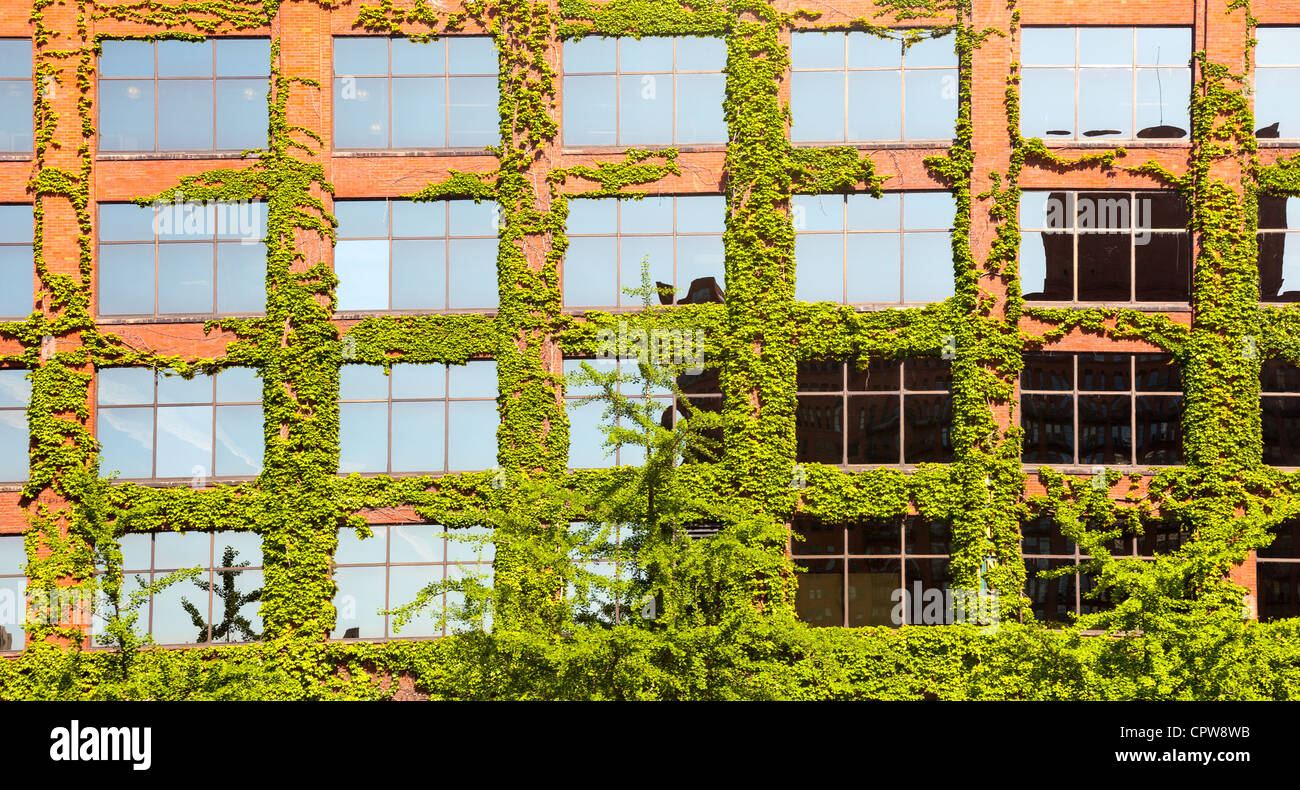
[697, 53]
[181, 612]
[1047, 102]
[872, 586]
[127, 439]
[419, 381]
[1105, 46]
[354, 550]
[173, 388]
[126, 59]
[1279, 590]
[122, 386]
[1163, 46]
[14, 442]
[700, 214]
[473, 112]
[646, 109]
[926, 430]
[238, 385]
[241, 114]
[185, 59]
[1159, 429]
[813, 50]
[819, 429]
[1047, 46]
[820, 598]
[1281, 424]
[476, 379]
[362, 218]
[586, 436]
[699, 258]
[1048, 372]
[239, 440]
[473, 274]
[589, 110]
[472, 55]
[590, 54]
[1053, 600]
[1048, 422]
[185, 278]
[409, 219]
[1162, 103]
[361, 55]
[362, 269]
[362, 382]
[1276, 112]
[472, 435]
[15, 115]
[243, 57]
[126, 279]
[125, 222]
[363, 437]
[817, 106]
[819, 212]
[126, 115]
[425, 59]
[652, 53]
[17, 278]
[818, 538]
[659, 251]
[699, 108]
[820, 263]
[405, 584]
[931, 52]
[869, 51]
[1104, 262]
[1105, 435]
[360, 112]
[927, 267]
[1162, 266]
[419, 275]
[1105, 103]
[591, 271]
[931, 105]
[358, 601]
[184, 441]
[418, 437]
[873, 429]
[241, 278]
[873, 267]
[186, 123]
[874, 105]
[418, 107]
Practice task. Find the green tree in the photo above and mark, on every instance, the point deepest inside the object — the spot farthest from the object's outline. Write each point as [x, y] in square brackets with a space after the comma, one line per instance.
[232, 600]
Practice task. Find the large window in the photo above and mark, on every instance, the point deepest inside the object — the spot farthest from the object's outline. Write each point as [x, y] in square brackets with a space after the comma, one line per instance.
[889, 413]
[1280, 407]
[1105, 247]
[608, 239]
[1277, 72]
[602, 595]
[182, 259]
[856, 249]
[219, 605]
[587, 423]
[873, 573]
[184, 95]
[15, 95]
[1277, 573]
[849, 87]
[1082, 83]
[390, 569]
[419, 418]
[647, 91]
[1096, 408]
[15, 395]
[402, 255]
[162, 426]
[1279, 249]
[17, 270]
[396, 93]
[13, 592]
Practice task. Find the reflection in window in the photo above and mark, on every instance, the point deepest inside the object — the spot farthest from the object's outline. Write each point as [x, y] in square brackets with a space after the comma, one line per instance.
[17, 267]
[889, 573]
[402, 255]
[161, 426]
[396, 93]
[1095, 408]
[15, 95]
[1105, 247]
[390, 569]
[857, 249]
[647, 91]
[608, 238]
[13, 592]
[219, 605]
[889, 413]
[1280, 407]
[1277, 573]
[606, 598]
[586, 417]
[182, 259]
[15, 395]
[1277, 72]
[184, 95]
[847, 87]
[1279, 249]
[420, 418]
[1105, 82]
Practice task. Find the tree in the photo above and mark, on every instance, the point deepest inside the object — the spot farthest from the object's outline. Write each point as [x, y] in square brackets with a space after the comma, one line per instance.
[232, 622]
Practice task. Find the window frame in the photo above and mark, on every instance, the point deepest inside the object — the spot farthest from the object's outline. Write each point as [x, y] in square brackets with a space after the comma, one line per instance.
[30, 81]
[19, 634]
[30, 246]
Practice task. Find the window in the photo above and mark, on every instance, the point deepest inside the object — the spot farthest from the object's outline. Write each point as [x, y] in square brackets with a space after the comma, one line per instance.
[1279, 249]
[608, 238]
[402, 255]
[161, 426]
[647, 91]
[856, 249]
[606, 595]
[421, 418]
[184, 95]
[873, 573]
[1105, 247]
[17, 266]
[1044, 547]
[182, 259]
[219, 605]
[15, 395]
[396, 93]
[1095, 408]
[889, 413]
[1277, 573]
[390, 569]
[587, 422]
[1277, 71]
[847, 87]
[16, 116]
[13, 592]
[1280, 408]
[1089, 82]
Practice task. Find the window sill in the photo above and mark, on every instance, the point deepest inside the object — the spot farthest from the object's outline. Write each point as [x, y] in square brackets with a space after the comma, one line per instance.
[16, 157]
[133, 156]
[12, 487]
[172, 319]
[1147, 470]
[363, 153]
[806, 145]
[1115, 142]
[684, 148]
[361, 315]
[1145, 307]
[1275, 143]
[183, 482]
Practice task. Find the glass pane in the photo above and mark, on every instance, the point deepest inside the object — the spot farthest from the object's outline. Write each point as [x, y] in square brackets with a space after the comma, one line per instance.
[590, 54]
[926, 430]
[1278, 46]
[15, 115]
[17, 278]
[1048, 372]
[1105, 435]
[592, 216]
[358, 601]
[869, 51]
[15, 388]
[1048, 422]
[126, 115]
[818, 538]
[1277, 115]
[658, 252]
[648, 215]
[137, 552]
[363, 437]
[360, 112]
[1162, 46]
[874, 105]
[127, 439]
[589, 114]
[468, 218]
[700, 268]
[927, 267]
[696, 53]
[405, 584]
[175, 389]
[701, 214]
[931, 52]
[353, 550]
[14, 441]
[645, 113]
[362, 218]
[416, 543]
[239, 440]
[121, 59]
[186, 121]
[1156, 373]
[586, 437]
[652, 53]
[185, 59]
[873, 267]
[472, 435]
[1105, 103]
[472, 273]
[1047, 102]
[239, 385]
[243, 57]
[241, 278]
[1279, 590]
[181, 612]
[1104, 263]
[1159, 429]
[873, 429]
[931, 105]
[591, 272]
[185, 278]
[418, 112]
[362, 382]
[819, 429]
[420, 275]
[422, 59]
[699, 108]
[928, 211]
[1053, 600]
[1281, 428]
[819, 260]
[409, 219]
[418, 381]
[472, 112]
[125, 222]
[16, 57]
[476, 379]
[1105, 46]
[361, 55]
[1104, 372]
[241, 114]
[362, 269]
[122, 386]
[418, 444]
[472, 55]
[1162, 267]
[817, 212]
[1043, 536]
[178, 550]
[126, 279]
[1162, 103]
[817, 106]
[470, 544]
[1047, 46]
[184, 441]
[820, 598]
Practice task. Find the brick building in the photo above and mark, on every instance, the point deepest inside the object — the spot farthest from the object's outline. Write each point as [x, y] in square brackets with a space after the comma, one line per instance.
[103, 105]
